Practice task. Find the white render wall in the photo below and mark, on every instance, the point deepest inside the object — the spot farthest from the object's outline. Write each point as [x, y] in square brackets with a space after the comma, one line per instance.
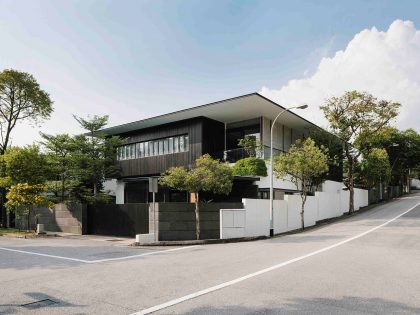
[264, 182]
[119, 192]
[254, 219]
[415, 183]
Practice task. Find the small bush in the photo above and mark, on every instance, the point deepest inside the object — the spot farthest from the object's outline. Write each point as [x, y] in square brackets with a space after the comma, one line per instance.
[250, 166]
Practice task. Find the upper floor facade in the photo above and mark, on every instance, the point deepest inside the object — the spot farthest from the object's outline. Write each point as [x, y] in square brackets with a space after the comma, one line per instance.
[177, 139]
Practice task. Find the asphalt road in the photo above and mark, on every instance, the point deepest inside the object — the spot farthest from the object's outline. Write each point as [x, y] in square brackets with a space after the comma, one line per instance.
[366, 264]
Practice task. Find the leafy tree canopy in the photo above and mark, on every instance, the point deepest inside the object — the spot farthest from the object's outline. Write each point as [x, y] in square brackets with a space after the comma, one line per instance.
[95, 159]
[250, 166]
[207, 175]
[24, 165]
[375, 168]
[351, 115]
[303, 164]
[23, 198]
[21, 98]
[252, 146]
[403, 148]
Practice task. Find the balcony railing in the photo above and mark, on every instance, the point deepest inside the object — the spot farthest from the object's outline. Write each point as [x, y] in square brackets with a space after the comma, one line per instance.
[234, 155]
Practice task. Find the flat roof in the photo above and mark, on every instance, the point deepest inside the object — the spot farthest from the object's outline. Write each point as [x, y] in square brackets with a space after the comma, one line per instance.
[227, 111]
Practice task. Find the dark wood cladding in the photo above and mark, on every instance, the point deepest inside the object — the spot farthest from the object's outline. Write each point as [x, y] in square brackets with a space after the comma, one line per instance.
[205, 136]
[213, 138]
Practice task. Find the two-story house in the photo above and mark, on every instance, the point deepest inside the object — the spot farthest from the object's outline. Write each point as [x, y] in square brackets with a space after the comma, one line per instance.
[179, 138]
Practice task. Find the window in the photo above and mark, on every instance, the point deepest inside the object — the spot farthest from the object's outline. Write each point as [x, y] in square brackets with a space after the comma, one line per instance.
[141, 149]
[171, 145]
[146, 149]
[176, 144]
[153, 148]
[127, 152]
[150, 148]
[181, 144]
[165, 146]
[160, 147]
[187, 143]
[133, 151]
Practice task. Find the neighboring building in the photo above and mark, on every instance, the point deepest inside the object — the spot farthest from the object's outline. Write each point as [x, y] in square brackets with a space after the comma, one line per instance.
[179, 138]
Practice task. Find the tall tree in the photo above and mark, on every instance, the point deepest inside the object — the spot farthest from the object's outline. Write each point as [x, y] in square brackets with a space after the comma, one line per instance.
[303, 164]
[95, 158]
[351, 115]
[375, 168]
[23, 165]
[207, 175]
[21, 99]
[24, 198]
[59, 150]
[335, 152]
[403, 148]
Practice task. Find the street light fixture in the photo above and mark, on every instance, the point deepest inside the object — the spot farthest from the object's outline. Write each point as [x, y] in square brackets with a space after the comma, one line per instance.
[271, 162]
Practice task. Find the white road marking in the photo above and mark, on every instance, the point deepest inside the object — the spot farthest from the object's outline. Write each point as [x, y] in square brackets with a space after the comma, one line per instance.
[44, 255]
[95, 261]
[260, 272]
[140, 255]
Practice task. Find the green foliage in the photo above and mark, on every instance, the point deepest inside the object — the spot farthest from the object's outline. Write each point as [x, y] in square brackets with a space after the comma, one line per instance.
[334, 145]
[250, 167]
[207, 175]
[403, 148]
[23, 165]
[251, 145]
[59, 155]
[302, 164]
[21, 98]
[375, 168]
[23, 197]
[94, 159]
[354, 114]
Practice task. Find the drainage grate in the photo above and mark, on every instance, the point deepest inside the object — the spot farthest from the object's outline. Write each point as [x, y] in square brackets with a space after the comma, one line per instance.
[38, 304]
[114, 240]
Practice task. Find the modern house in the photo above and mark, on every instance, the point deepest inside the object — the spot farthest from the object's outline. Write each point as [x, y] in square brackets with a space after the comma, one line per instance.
[177, 139]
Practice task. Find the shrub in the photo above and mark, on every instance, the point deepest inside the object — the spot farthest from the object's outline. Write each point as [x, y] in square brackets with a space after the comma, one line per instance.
[250, 166]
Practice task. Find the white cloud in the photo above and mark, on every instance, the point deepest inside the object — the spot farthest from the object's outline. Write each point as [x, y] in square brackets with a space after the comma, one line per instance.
[385, 64]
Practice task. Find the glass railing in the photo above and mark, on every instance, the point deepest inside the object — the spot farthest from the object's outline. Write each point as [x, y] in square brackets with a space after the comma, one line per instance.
[234, 155]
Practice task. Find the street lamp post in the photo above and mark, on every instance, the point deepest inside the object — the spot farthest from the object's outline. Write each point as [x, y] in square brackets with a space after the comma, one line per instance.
[271, 162]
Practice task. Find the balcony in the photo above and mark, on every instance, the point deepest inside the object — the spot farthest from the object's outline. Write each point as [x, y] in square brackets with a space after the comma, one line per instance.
[233, 155]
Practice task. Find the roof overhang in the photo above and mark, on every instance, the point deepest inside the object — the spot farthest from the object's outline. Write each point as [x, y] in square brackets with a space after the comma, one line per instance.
[227, 111]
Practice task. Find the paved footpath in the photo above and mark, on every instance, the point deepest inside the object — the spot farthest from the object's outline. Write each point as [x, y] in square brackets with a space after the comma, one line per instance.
[367, 264]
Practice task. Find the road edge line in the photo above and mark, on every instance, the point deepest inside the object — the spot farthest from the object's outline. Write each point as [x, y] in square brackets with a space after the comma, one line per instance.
[265, 270]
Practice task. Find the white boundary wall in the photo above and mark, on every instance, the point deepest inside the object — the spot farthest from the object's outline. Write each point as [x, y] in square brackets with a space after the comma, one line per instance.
[254, 219]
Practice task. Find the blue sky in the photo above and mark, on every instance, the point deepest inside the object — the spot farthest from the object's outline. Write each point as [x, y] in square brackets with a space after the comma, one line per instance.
[135, 59]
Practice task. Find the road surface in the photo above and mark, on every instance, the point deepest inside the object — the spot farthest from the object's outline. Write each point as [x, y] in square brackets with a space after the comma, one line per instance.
[366, 264]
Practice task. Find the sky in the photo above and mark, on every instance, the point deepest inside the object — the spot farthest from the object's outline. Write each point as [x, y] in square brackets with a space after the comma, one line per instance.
[136, 59]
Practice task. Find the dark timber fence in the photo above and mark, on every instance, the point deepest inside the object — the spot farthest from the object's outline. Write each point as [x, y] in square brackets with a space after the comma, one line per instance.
[118, 220]
[177, 220]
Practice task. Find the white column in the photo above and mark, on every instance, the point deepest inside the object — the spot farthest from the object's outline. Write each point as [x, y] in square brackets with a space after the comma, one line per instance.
[119, 192]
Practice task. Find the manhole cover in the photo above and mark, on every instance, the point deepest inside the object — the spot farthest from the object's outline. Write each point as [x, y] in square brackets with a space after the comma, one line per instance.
[114, 240]
[39, 304]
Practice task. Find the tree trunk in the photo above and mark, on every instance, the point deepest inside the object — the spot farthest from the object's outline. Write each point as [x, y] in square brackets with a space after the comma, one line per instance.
[28, 227]
[302, 213]
[302, 216]
[3, 207]
[350, 176]
[197, 217]
[62, 188]
[351, 187]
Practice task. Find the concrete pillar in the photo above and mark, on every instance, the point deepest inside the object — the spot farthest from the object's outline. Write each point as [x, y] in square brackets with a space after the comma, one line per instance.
[119, 192]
